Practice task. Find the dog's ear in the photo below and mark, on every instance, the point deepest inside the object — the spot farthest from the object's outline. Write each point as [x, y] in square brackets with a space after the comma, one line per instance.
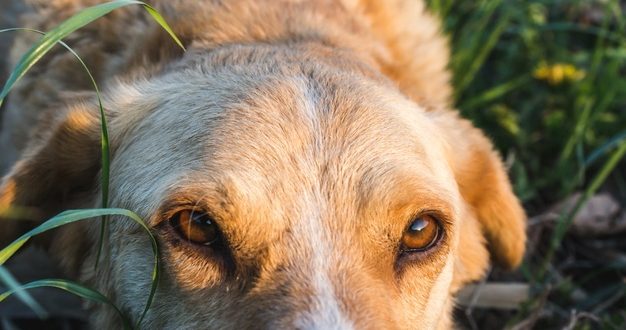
[486, 190]
[59, 167]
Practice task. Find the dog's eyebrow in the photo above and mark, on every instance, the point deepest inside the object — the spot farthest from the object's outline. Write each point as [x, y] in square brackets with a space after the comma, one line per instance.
[428, 202]
[436, 198]
[406, 185]
[209, 195]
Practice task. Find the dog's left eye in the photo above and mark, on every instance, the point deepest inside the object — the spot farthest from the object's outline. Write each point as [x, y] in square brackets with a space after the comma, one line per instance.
[196, 227]
[422, 234]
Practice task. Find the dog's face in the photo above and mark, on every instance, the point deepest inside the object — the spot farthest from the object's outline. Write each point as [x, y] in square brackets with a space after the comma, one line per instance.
[284, 194]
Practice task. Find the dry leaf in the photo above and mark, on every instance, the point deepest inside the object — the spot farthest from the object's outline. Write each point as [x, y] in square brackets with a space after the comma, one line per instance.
[599, 215]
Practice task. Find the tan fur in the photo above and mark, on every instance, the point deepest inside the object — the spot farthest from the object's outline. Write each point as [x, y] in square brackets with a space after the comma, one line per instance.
[313, 131]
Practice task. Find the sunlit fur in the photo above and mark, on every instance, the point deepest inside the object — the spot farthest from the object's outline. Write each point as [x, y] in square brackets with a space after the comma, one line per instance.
[312, 131]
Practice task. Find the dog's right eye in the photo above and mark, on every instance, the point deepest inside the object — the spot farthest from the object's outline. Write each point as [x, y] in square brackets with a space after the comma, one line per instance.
[195, 227]
[422, 234]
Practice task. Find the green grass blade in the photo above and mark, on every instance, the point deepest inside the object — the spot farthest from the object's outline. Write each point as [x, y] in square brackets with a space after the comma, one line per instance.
[86, 16]
[15, 287]
[480, 53]
[71, 216]
[496, 92]
[104, 137]
[73, 288]
[610, 144]
[159, 19]
[62, 219]
[55, 35]
[104, 129]
[35, 53]
[565, 220]
[579, 131]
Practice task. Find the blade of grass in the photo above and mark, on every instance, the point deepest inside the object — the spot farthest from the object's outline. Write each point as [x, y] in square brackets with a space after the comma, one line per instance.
[35, 53]
[84, 17]
[49, 39]
[495, 92]
[565, 220]
[104, 138]
[15, 287]
[78, 215]
[579, 131]
[603, 149]
[71, 287]
[590, 110]
[480, 50]
[590, 107]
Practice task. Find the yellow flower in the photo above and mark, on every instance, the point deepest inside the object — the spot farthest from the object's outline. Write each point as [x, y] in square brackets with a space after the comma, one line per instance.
[557, 73]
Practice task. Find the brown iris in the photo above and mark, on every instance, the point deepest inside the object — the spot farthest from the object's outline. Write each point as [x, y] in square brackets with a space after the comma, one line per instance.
[196, 227]
[421, 234]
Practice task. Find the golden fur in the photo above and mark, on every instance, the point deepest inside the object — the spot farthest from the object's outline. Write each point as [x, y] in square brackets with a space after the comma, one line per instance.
[312, 130]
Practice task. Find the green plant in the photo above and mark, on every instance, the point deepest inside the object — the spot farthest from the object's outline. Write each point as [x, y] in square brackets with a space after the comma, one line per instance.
[545, 79]
[30, 58]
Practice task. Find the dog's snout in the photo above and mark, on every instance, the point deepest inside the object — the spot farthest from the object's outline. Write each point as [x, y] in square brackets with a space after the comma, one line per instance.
[333, 295]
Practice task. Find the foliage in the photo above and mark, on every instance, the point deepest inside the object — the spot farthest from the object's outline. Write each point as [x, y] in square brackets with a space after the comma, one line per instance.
[28, 60]
[545, 79]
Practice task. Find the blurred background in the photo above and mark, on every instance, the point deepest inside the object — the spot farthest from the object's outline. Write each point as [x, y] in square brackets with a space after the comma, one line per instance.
[546, 80]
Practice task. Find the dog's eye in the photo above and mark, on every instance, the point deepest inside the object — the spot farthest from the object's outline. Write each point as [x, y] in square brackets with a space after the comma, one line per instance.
[196, 227]
[421, 234]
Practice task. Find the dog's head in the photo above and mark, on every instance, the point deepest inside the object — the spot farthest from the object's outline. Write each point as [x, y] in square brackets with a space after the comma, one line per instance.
[285, 189]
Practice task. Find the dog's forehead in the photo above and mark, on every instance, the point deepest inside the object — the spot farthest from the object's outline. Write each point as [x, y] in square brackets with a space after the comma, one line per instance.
[285, 141]
[336, 135]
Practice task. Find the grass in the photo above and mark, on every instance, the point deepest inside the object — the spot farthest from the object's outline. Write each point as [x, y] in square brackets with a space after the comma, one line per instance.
[29, 59]
[68, 217]
[546, 79]
[73, 288]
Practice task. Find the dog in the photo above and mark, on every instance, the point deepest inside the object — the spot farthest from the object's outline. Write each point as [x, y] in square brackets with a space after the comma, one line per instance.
[300, 164]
